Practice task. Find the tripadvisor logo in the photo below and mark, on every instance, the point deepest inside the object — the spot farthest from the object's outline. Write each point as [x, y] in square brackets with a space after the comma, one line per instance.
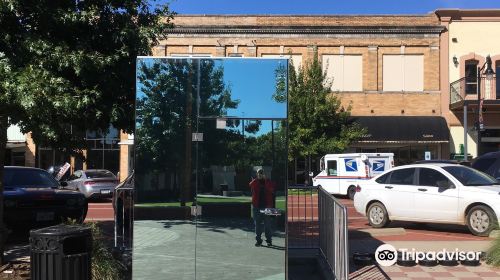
[387, 255]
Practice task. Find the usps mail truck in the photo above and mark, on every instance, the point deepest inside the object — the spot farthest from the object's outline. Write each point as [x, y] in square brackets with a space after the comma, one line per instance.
[341, 173]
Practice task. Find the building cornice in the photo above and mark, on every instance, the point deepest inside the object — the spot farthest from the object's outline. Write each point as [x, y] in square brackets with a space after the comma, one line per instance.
[219, 29]
[468, 15]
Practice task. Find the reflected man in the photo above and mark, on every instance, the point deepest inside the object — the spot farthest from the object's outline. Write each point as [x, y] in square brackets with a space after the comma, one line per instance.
[262, 198]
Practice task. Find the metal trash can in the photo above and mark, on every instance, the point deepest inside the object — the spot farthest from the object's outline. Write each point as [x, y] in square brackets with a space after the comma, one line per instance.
[61, 252]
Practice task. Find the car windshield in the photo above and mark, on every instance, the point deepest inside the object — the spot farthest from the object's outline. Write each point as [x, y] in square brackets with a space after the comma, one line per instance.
[484, 164]
[28, 178]
[470, 177]
[99, 174]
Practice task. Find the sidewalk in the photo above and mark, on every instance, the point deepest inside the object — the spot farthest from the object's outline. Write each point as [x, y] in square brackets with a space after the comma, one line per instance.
[420, 272]
[222, 248]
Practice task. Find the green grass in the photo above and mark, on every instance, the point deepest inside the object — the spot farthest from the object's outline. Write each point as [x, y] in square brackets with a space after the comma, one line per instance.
[280, 202]
[493, 254]
[302, 192]
[162, 204]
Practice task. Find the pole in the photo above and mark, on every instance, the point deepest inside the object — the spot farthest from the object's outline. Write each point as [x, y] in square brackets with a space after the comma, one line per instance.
[478, 112]
[465, 132]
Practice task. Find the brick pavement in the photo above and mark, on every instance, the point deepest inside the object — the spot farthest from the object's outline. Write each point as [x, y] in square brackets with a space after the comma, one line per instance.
[482, 272]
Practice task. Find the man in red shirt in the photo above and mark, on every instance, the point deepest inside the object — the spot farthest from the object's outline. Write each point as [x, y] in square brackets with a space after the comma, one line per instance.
[262, 198]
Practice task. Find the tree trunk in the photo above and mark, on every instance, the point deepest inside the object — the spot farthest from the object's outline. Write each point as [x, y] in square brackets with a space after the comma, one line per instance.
[307, 170]
[3, 143]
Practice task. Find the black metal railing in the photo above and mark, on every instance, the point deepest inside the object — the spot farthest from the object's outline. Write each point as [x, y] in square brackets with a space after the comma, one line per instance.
[302, 211]
[317, 221]
[333, 234]
[466, 89]
[123, 200]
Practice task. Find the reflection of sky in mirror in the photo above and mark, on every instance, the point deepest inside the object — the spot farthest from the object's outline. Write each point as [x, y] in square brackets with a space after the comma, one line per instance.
[253, 82]
[264, 128]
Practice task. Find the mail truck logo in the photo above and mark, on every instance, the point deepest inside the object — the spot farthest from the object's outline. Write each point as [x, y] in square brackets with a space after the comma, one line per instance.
[350, 165]
[378, 166]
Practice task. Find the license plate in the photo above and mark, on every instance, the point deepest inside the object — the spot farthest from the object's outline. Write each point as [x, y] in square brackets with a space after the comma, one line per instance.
[105, 191]
[44, 216]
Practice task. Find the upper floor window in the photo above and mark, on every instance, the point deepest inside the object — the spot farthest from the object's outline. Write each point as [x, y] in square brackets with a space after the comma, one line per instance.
[403, 72]
[344, 72]
[471, 76]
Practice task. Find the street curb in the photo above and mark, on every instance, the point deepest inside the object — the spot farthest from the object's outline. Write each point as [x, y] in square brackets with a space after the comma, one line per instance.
[376, 232]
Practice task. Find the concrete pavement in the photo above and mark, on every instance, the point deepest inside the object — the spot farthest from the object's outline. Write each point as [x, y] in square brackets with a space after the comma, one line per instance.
[217, 249]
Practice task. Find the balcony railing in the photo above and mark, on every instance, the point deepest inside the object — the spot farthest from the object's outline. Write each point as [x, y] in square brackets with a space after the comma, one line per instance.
[465, 89]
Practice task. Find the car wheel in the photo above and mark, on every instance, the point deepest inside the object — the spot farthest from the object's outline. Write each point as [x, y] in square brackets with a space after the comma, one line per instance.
[377, 215]
[351, 191]
[481, 220]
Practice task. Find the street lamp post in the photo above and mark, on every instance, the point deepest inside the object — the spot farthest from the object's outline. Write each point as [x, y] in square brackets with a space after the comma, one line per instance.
[488, 72]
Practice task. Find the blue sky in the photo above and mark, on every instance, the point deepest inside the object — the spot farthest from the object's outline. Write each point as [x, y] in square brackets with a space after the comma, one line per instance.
[322, 6]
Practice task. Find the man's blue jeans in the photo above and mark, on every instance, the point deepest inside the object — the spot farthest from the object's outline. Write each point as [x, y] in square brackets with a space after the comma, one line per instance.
[262, 223]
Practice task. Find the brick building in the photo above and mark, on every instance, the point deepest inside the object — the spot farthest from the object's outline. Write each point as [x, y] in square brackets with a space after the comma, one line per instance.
[385, 67]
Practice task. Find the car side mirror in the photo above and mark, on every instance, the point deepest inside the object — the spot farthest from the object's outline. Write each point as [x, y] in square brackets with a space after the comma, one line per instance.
[63, 184]
[311, 174]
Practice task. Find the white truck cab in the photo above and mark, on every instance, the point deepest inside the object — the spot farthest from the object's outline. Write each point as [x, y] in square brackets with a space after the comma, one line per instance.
[341, 173]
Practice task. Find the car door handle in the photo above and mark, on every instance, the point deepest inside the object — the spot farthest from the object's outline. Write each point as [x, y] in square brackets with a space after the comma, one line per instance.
[388, 187]
[422, 190]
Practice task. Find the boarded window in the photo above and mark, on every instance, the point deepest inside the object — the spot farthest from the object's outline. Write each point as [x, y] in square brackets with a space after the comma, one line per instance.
[403, 73]
[344, 72]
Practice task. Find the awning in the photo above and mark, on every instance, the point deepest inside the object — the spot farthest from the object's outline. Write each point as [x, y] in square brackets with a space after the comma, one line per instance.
[396, 129]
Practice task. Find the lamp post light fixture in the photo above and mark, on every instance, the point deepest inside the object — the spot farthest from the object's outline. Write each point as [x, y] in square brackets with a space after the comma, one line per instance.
[488, 73]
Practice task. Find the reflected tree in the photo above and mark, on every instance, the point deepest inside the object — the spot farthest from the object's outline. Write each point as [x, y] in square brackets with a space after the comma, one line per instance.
[166, 116]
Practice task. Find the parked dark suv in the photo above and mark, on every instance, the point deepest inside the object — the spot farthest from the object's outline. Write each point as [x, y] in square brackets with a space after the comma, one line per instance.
[489, 163]
[33, 197]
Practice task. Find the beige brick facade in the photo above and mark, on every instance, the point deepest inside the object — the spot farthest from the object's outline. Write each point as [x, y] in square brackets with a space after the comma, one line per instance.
[372, 47]
[372, 37]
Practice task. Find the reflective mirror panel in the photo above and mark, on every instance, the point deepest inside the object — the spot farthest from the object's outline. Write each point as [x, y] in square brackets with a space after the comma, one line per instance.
[203, 129]
[228, 163]
[164, 230]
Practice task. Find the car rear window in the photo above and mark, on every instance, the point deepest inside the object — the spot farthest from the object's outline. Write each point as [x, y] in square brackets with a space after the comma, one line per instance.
[99, 174]
[28, 178]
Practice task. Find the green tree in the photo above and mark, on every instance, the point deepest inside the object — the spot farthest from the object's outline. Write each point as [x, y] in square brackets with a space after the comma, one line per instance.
[67, 63]
[318, 123]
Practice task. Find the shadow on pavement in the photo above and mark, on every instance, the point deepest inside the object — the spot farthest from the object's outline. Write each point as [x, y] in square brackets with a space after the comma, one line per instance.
[359, 243]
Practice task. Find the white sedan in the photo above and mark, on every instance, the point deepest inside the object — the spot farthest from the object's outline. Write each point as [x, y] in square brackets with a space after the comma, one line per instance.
[432, 193]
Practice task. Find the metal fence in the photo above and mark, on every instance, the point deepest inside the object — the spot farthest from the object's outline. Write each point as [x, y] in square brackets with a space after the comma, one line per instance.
[318, 221]
[302, 211]
[333, 236]
[123, 200]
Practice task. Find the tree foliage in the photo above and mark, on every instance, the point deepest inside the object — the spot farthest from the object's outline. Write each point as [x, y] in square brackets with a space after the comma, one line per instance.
[318, 123]
[72, 63]
[68, 66]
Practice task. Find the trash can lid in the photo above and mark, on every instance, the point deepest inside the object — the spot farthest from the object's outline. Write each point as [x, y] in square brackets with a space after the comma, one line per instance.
[61, 230]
